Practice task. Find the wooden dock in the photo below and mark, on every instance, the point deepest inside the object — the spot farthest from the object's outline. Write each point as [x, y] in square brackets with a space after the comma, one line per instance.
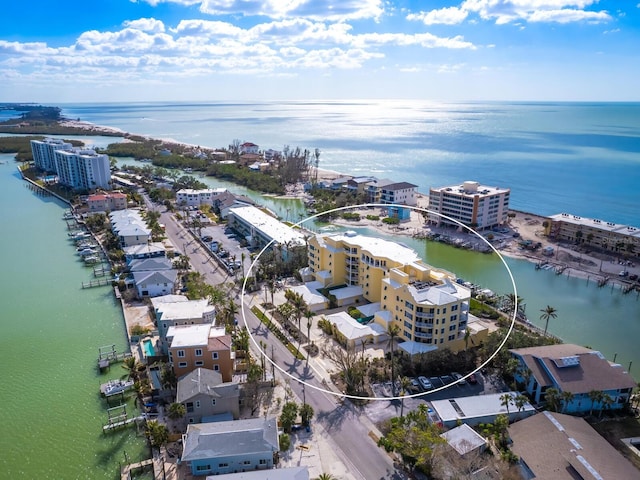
[126, 470]
[108, 355]
[118, 418]
[98, 282]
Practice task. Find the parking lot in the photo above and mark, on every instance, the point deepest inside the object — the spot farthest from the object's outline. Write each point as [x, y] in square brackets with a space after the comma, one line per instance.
[381, 409]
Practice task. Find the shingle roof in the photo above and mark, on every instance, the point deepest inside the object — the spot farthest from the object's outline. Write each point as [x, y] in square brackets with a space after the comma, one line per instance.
[555, 446]
[235, 438]
[207, 382]
[589, 371]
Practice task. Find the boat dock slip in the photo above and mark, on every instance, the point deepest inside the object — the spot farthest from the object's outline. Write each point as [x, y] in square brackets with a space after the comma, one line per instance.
[108, 355]
[118, 418]
[99, 282]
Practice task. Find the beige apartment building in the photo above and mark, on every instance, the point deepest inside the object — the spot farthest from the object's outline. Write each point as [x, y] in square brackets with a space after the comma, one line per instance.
[429, 306]
[609, 236]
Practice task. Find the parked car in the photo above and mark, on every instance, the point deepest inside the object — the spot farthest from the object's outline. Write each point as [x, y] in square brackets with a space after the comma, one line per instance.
[415, 385]
[458, 377]
[207, 238]
[633, 276]
[425, 383]
[473, 379]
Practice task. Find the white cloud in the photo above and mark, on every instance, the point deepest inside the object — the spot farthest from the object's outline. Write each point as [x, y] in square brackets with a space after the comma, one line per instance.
[615, 30]
[446, 16]
[314, 9]
[150, 25]
[566, 15]
[512, 11]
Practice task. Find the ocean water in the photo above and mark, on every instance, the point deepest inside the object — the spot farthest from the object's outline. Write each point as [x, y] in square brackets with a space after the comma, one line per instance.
[52, 412]
[579, 158]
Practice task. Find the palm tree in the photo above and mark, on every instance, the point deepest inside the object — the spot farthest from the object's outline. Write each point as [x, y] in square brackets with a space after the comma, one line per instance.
[567, 398]
[520, 401]
[552, 397]
[309, 314]
[505, 400]
[607, 401]
[326, 476]
[393, 331]
[405, 383]
[176, 411]
[547, 313]
[595, 396]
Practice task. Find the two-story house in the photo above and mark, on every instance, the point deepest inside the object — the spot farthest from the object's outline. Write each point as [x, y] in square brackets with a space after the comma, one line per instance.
[206, 397]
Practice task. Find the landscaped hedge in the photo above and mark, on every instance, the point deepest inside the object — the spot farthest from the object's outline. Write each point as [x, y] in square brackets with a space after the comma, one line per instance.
[277, 332]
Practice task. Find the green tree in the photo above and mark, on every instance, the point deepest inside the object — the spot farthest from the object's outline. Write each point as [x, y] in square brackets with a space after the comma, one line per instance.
[520, 401]
[405, 384]
[285, 442]
[606, 402]
[595, 396]
[566, 397]
[326, 476]
[547, 313]
[157, 433]
[306, 414]
[415, 438]
[288, 416]
[176, 410]
[506, 399]
[393, 331]
[552, 398]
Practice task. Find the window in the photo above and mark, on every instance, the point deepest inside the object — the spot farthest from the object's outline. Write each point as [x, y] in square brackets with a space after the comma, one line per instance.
[247, 462]
[223, 465]
[199, 363]
[263, 461]
[452, 328]
[213, 401]
[216, 367]
[214, 355]
[182, 365]
[180, 353]
[202, 468]
[189, 406]
[197, 403]
[198, 352]
[451, 337]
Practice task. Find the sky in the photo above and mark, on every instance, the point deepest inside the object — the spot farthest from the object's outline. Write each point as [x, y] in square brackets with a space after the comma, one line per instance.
[244, 50]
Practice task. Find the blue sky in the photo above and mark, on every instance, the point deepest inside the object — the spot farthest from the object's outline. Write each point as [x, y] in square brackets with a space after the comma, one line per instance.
[148, 50]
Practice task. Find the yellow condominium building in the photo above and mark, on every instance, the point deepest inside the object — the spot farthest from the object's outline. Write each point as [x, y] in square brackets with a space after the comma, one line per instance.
[426, 303]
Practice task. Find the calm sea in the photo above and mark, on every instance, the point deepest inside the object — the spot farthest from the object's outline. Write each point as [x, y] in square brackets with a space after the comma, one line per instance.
[52, 412]
[580, 158]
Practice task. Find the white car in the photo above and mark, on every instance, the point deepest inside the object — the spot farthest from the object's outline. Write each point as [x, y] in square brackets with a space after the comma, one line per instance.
[458, 378]
[425, 383]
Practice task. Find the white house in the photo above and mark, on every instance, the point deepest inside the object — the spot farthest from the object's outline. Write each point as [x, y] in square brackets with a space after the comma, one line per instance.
[155, 283]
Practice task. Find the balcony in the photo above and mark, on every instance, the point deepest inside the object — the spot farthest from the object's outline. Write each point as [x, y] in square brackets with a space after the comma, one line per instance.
[423, 335]
[425, 315]
[424, 324]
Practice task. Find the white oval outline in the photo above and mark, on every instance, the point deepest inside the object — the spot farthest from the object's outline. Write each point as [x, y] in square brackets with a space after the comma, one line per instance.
[415, 395]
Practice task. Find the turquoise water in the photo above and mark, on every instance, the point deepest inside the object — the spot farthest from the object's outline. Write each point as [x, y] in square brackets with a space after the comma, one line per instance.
[52, 412]
[581, 158]
[149, 351]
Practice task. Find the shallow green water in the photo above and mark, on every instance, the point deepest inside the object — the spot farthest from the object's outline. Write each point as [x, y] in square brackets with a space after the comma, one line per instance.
[52, 413]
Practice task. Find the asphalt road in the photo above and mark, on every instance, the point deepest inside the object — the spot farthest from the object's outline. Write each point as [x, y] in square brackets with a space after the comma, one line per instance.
[342, 420]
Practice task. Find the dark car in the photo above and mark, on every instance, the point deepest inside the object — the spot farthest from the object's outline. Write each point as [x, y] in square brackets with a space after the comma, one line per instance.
[473, 379]
[207, 238]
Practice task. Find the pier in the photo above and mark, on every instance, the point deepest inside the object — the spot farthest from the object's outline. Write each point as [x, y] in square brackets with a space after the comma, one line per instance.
[98, 282]
[118, 418]
[127, 470]
[108, 355]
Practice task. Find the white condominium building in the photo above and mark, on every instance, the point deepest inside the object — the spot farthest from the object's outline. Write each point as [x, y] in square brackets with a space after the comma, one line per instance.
[83, 169]
[477, 206]
[195, 198]
[44, 152]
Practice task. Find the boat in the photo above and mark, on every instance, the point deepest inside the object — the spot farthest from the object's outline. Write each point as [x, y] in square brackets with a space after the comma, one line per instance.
[112, 387]
[86, 252]
[68, 216]
[91, 259]
[85, 244]
[79, 235]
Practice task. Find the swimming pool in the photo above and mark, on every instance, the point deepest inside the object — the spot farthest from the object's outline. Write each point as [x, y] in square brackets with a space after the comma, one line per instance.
[147, 348]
